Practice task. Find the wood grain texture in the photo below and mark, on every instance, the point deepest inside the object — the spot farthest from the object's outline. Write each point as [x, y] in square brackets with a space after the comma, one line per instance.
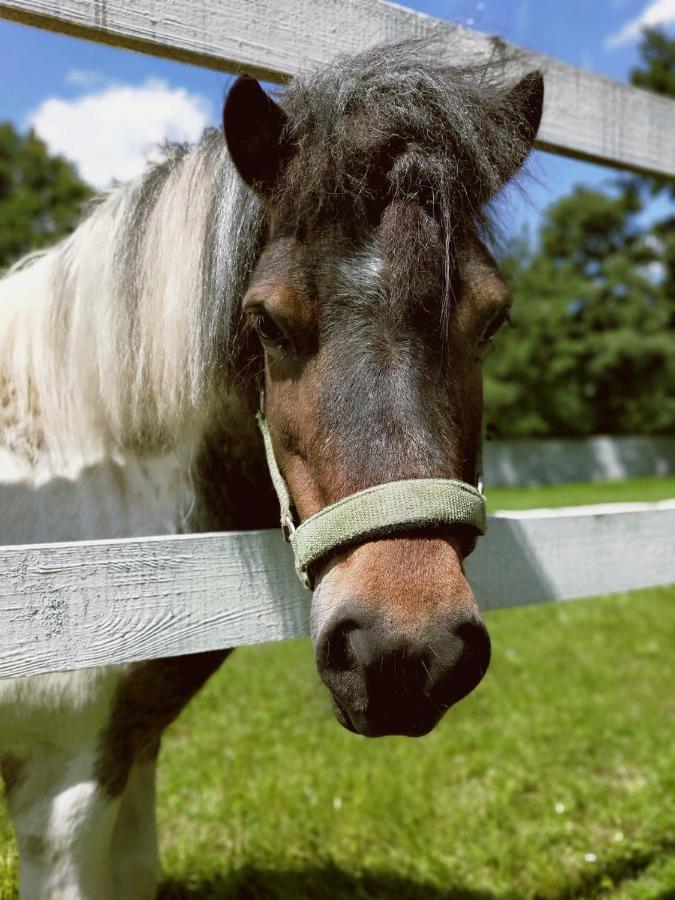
[537, 556]
[69, 606]
[586, 116]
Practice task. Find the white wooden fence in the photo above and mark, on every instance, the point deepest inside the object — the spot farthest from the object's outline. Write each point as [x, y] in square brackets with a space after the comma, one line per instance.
[66, 606]
[69, 606]
[508, 463]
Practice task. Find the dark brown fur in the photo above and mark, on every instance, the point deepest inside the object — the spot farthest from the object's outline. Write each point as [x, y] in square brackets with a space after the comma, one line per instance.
[148, 699]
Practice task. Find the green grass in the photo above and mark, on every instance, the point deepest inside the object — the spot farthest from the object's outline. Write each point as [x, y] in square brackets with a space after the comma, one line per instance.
[564, 750]
[634, 489]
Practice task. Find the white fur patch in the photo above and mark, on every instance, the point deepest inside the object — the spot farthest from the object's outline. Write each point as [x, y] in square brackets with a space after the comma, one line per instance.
[63, 824]
[361, 273]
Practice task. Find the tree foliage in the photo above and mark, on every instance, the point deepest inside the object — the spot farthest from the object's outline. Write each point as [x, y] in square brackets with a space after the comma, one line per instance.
[593, 350]
[657, 72]
[41, 195]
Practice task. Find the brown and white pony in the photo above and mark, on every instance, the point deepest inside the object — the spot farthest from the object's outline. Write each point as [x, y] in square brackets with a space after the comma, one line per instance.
[329, 250]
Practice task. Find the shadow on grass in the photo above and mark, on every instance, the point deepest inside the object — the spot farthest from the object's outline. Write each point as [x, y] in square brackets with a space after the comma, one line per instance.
[332, 883]
[618, 872]
[321, 883]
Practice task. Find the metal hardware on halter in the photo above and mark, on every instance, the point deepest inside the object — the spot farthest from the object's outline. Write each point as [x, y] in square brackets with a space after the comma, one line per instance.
[287, 528]
[377, 511]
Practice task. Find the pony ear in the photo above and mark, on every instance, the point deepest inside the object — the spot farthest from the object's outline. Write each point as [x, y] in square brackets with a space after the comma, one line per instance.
[526, 100]
[254, 126]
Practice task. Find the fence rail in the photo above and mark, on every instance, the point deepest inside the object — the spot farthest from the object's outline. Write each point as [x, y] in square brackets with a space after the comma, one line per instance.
[585, 116]
[92, 603]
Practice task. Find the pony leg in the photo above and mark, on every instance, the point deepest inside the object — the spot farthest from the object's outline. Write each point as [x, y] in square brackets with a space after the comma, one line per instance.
[134, 857]
[63, 823]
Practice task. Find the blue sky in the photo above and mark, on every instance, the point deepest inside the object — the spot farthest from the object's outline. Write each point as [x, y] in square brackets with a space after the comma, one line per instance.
[105, 108]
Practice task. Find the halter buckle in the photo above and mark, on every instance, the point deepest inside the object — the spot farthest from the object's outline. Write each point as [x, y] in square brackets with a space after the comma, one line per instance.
[287, 528]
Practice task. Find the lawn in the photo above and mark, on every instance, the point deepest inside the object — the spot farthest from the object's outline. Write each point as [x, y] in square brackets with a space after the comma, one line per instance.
[551, 781]
[632, 490]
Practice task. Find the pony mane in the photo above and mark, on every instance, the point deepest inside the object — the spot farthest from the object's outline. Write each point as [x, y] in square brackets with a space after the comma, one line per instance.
[117, 335]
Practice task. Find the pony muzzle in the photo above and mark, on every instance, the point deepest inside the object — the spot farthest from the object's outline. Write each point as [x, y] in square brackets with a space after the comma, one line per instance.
[398, 636]
[396, 645]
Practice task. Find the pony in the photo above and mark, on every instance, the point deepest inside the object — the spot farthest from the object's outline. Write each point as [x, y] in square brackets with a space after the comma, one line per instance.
[330, 249]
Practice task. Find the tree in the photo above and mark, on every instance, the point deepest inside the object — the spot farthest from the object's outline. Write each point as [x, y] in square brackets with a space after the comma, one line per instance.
[41, 195]
[594, 347]
[594, 350]
[657, 72]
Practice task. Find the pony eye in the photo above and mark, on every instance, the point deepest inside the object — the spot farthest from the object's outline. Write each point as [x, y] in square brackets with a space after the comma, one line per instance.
[267, 329]
[502, 318]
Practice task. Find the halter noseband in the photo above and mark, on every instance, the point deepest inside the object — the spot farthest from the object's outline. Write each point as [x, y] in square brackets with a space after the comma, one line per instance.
[377, 511]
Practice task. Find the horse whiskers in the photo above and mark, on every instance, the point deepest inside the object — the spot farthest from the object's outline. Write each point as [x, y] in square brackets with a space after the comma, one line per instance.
[432, 650]
[424, 666]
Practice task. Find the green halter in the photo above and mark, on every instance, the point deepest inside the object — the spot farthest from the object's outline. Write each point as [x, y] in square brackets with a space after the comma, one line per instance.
[377, 511]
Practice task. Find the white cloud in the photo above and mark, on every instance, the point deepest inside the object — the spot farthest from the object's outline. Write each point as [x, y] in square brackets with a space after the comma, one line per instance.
[658, 12]
[111, 133]
[84, 78]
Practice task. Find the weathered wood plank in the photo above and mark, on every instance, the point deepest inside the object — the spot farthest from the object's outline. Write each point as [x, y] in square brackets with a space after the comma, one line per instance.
[586, 116]
[537, 556]
[68, 606]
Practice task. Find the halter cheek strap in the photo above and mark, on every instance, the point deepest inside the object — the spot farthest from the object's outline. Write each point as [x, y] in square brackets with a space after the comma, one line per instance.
[377, 511]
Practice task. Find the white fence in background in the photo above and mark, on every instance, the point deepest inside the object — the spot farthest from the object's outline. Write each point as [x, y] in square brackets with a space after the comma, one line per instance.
[66, 606]
[531, 462]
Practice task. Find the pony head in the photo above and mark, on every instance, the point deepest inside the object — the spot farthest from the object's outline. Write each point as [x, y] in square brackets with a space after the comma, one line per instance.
[366, 318]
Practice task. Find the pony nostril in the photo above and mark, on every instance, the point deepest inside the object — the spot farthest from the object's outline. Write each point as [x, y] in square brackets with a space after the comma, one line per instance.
[460, 665]
[344, 639]
[338, 653]
[477, 648]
